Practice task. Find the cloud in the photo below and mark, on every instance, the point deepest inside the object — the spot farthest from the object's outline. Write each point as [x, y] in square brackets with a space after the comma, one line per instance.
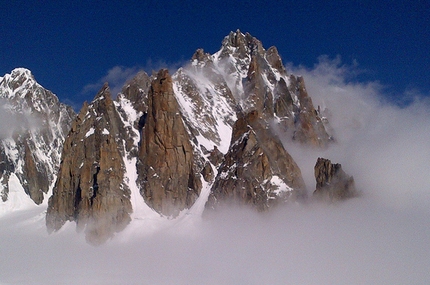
[379, 238]
[153, 66]
[116, 77]
[12, 123]
[384, 145]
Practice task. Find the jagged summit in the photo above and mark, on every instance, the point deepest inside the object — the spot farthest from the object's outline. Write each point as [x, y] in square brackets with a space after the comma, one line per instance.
[241, 44]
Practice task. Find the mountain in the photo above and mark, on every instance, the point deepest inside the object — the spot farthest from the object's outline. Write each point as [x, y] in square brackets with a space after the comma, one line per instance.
[33, 127]
[207, 135]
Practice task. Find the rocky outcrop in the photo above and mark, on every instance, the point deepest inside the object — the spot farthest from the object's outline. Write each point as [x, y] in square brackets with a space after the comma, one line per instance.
[167, 176]
[90, 188]
[332, 183]
[32, 139]
[257, 170]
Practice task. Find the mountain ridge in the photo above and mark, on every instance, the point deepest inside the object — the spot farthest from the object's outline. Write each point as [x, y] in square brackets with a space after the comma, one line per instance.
[203, 135]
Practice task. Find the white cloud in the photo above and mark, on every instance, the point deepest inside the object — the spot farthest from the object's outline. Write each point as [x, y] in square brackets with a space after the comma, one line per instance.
[13, 123]
[116, 77]
[386, 147]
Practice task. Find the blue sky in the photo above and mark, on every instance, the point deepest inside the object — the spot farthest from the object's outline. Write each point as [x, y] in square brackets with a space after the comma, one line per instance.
[70, 46]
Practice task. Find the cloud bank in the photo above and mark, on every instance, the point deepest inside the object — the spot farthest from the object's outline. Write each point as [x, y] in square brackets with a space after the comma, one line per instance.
[384, 145]
[380, 238]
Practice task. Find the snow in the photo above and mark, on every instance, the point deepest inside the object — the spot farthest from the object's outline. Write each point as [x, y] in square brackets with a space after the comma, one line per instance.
[90, 132]
[17, 200]
[282, 187]
[215, 127]
[141, 211]
[105, 132]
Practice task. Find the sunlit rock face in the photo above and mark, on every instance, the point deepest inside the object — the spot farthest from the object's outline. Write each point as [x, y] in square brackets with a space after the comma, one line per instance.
[167, 176]
[90, 188]
[332, 183]
[33, 127]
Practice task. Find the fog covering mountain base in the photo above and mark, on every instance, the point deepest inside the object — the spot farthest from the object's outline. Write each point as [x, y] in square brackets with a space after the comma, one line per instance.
[379, 238]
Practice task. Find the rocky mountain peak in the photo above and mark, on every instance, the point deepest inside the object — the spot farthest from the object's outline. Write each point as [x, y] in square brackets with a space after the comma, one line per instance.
[201, 56]
[241, 45]
[274, 60]
[257, 170]
[210, 132]
[135, 90]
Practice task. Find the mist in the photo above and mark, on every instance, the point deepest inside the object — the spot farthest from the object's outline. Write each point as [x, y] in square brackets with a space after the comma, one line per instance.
[11, 123]
[380, 237]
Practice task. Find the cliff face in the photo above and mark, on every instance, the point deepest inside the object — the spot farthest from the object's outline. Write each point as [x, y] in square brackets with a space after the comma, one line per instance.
[90, 188]
[167, 177]
[257, 170]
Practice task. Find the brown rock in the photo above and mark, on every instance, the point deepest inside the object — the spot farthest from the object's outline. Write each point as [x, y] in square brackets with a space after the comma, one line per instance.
[332, 183]
[309, 128]
[168, 180]
[36, 182]
[90, 188]
[257, 170]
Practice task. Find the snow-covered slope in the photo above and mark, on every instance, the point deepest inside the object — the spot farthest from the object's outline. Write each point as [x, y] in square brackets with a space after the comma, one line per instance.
[32, 130]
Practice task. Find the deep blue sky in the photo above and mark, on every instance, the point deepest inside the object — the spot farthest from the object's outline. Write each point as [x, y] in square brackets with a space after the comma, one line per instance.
[68, 45]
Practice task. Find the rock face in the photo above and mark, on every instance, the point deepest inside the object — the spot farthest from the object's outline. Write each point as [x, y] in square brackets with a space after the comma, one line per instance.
[90, 188]
[32, 130]
[333, 183]
[168, 179]
[257, 170]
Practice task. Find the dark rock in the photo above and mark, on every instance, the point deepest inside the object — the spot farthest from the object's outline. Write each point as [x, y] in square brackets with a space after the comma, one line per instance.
[215, 157]
[332, 183]
[309, 127]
